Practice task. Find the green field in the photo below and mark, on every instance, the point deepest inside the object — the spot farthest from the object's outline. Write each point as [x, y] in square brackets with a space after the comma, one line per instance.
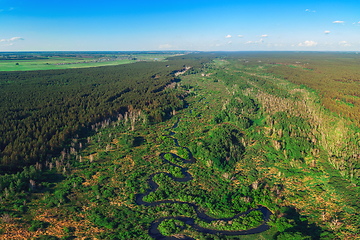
[75, 62]
[31, 65]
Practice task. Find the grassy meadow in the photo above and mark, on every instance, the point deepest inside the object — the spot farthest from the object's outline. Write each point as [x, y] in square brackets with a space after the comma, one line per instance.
[74, 62]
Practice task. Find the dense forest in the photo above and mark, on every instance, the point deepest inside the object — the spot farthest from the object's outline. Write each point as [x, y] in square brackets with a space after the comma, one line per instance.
[335, 76]
[42, 109]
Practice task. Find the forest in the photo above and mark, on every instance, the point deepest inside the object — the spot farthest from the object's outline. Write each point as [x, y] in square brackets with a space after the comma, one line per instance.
[236, 147]
[335, 76]
[42, 109]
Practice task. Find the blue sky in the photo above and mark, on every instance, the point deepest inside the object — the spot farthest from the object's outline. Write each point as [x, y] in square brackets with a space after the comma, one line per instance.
[179, 25]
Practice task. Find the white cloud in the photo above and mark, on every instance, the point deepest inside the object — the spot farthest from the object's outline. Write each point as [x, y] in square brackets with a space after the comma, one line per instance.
[308, 10]
[6, 45]
[327, 32]
[11, 39]
[344, 44]
[229, 42]
[240, 36]
[264, 36]
[218, 44]
[228, 36]
[255, 42]
[308, 44]
[338, 21]
[359, 22]
[16, 38]
[165, 46]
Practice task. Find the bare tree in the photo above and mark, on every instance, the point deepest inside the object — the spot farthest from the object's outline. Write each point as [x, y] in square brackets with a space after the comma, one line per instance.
[255, 185]
[323, 216]
[335, 223]
[6, 218]
[58, 164]
[243, 142]
[277, 145]
[6, 192]
[72, 150]
[126, 117]
[38, 166]
[32, 184]
[63, 154]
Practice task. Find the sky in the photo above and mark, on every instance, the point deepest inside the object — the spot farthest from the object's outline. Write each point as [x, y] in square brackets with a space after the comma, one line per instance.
[139, 25]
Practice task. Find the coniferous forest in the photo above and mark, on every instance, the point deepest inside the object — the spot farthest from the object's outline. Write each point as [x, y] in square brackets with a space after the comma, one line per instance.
[41, 109]
[261, 145]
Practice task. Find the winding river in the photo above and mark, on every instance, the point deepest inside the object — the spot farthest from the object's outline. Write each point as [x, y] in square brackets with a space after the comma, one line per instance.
[155, 233]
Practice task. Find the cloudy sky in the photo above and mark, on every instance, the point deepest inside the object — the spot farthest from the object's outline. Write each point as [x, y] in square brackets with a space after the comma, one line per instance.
[179, 25]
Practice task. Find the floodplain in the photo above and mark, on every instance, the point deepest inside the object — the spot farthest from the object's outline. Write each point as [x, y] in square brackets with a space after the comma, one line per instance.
[241, 152]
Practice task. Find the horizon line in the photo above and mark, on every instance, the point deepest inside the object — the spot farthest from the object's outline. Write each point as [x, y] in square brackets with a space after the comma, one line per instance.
[189, 51]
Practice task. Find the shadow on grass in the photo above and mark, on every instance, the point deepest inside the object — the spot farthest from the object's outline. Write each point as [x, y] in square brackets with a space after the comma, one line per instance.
[301, 228]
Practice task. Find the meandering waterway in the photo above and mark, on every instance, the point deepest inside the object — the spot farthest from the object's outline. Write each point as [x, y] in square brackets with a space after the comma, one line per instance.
[155, 233]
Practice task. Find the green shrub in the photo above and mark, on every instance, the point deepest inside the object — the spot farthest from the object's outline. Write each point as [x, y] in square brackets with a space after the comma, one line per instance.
[183, 153]
[170, 226]
[224, 147]
[36, 224]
